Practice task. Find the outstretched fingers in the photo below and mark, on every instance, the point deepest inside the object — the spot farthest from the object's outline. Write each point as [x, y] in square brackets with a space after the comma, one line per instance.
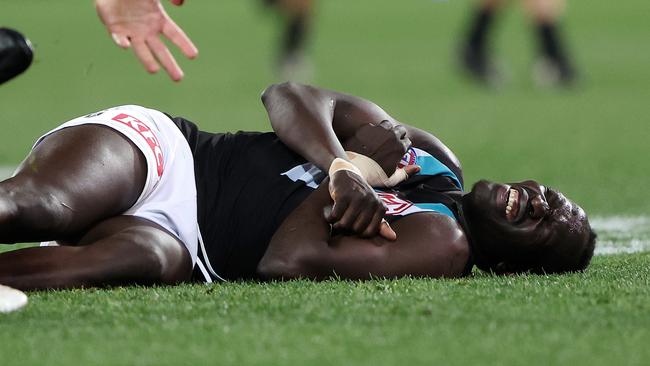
[162, 54]
[139, 25]
[121, 40]
[178, 37]
[143, 53]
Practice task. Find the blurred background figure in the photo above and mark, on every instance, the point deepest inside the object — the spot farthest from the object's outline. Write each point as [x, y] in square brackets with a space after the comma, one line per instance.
[553, 66]
[292, 62]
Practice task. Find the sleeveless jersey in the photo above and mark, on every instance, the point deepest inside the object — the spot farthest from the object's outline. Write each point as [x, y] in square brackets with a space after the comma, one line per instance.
[249, 182]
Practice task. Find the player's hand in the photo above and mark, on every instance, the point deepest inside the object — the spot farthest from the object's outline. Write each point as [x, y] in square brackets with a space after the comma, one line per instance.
[386, 143]
[357, 208]
[138, 24]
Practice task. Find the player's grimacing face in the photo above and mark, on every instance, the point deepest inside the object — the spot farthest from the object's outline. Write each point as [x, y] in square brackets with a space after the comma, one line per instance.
[524, 219]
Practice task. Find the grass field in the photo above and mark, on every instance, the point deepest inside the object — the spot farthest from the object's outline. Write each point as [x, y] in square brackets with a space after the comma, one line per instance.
[590, 142]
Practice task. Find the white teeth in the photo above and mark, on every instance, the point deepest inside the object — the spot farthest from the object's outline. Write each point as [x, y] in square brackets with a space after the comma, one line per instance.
[513, 195]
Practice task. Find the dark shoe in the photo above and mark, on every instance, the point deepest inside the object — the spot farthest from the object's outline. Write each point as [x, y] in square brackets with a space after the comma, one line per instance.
[478, 67]
[15, 54]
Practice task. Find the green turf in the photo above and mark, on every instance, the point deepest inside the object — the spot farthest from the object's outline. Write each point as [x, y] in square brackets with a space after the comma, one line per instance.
[590, 142]
[599, 318]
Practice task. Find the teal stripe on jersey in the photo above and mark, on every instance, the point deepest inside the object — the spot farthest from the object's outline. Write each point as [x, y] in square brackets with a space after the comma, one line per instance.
[437, 207]
[431, 166]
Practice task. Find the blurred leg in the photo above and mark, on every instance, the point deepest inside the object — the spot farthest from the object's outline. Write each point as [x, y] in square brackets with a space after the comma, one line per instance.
[474, 52]
[298, 14]
[74, 178]
[544, 11]
[554, 65]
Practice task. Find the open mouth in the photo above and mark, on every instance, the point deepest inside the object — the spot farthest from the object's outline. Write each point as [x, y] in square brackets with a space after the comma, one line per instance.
[512, 204]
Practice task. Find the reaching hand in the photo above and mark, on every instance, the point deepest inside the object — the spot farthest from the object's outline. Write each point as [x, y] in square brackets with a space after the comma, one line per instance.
[139, 24]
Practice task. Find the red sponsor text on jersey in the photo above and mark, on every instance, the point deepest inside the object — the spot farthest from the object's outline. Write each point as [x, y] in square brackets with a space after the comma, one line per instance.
[408, 158]
[146, 133]
[394, 205]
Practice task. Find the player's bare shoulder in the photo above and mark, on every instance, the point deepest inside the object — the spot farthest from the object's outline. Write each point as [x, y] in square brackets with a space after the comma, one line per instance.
[438, 240]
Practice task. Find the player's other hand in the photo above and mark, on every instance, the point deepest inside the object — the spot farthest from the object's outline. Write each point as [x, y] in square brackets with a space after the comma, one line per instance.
[357, 208]
[376, 176]
[138, 24]
[386, 143]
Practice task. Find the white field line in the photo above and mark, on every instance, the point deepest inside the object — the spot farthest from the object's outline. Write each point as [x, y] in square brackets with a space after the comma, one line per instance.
[622, 234]
[616, 234]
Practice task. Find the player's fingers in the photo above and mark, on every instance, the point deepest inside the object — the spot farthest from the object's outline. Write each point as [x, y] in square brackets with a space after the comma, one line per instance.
[145, 56]
[180, 39]
[362, 222]
[374, 225]
[412, 169]
[401, 174]
[350, 215]
[387, 232]
[121, 40]
[162, 54]
[338, 209]
[398, 177]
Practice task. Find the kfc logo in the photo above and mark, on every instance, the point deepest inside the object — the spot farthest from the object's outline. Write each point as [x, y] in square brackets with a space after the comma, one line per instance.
[394, 205]
[146, 133]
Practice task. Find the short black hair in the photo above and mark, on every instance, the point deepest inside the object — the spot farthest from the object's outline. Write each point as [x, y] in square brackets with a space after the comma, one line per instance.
[579, 262]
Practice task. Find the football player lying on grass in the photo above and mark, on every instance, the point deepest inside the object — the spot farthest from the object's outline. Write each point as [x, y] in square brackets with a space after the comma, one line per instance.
[132, 196]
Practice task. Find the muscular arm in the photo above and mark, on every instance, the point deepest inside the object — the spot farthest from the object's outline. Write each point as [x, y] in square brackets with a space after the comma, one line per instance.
[314, 121]
[427, 245]
[309, 120]
[302, 117]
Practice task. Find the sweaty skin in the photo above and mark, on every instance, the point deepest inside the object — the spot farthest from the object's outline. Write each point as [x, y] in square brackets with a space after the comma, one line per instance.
[73, 187]
[427, 245]
[520, 238]
[542, 231]
[76, 183]
[313, 121]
